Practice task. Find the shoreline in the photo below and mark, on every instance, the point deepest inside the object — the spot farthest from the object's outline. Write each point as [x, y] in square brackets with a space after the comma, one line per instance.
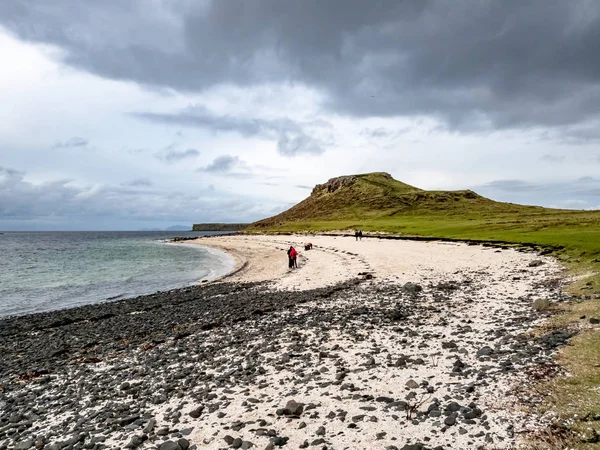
[426, 351]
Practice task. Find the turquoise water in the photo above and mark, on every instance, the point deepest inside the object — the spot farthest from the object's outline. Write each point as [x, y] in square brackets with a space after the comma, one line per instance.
[43, 271]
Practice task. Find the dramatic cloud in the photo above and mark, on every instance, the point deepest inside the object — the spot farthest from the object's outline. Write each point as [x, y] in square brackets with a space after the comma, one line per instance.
[498, 96]
[472, 64]
[292, 137]
[72, 142]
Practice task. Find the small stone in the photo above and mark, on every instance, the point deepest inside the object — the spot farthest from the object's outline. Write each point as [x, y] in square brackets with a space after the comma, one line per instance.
[450, 420]
[195, 413]
[169, 445]
[412, 384]
[485, 351]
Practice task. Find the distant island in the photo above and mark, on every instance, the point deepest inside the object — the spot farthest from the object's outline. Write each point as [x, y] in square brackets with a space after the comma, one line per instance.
[219, 226]
[172, 228]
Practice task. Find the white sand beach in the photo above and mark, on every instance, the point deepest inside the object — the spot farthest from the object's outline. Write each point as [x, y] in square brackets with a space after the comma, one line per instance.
[334, 259]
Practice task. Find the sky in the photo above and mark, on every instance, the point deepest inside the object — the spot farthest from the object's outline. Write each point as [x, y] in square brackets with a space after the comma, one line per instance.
[122, 115]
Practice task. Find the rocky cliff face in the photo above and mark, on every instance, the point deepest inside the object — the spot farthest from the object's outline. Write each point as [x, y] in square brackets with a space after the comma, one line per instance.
[339, 182]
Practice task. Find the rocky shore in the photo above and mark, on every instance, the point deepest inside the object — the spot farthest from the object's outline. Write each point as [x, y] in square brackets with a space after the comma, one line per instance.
[363, 364]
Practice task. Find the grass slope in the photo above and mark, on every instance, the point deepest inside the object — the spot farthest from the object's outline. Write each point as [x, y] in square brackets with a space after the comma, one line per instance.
[377, 203]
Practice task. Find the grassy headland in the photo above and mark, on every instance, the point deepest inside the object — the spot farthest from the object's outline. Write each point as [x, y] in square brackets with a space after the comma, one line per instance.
[377, 203]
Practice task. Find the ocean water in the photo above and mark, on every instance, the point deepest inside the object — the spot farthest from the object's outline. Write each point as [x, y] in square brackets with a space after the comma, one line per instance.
[44, 271]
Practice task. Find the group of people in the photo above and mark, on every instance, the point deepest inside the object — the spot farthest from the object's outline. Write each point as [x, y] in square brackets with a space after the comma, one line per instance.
[358, 235]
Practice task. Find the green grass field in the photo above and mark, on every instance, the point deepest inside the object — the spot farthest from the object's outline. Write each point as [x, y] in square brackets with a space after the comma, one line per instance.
[376, 203]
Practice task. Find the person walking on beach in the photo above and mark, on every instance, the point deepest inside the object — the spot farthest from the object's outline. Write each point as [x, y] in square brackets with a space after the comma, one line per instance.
[360, 235]
[356, 235]
[292, 254]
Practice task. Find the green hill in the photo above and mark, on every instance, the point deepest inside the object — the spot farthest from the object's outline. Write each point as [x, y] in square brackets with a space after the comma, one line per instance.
[379, 196]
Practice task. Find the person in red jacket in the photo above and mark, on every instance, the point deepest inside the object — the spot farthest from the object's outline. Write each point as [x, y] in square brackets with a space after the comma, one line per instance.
[292, 255]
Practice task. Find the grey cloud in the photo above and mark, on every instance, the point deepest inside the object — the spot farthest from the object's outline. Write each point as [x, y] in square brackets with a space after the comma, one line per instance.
[71, 143]
[303, 186]
[292, 144]
[474, 65]
[293, 138]
[222, 164]
[170, 154]
[384, 133]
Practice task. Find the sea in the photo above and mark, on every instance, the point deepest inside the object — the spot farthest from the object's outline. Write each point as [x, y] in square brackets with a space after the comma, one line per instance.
[45, 271]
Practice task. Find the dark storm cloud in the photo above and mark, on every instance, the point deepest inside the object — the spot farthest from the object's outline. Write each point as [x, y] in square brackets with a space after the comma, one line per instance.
[472, 64]
[292, 139]
[72, 143]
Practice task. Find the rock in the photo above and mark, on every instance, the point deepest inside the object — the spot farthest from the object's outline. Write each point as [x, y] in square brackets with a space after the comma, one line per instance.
[237, 443]
[540, 304]
[25, 445]
[594, 321]
[195, 413]
[292, 408]
[169, 445]
[412, 288]
[450, 420]
[485, 351]
[135, 441]
[412, 384]
[183, 443]
[536, 263]
[320, 431]
[279, 440]
[149, 426]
